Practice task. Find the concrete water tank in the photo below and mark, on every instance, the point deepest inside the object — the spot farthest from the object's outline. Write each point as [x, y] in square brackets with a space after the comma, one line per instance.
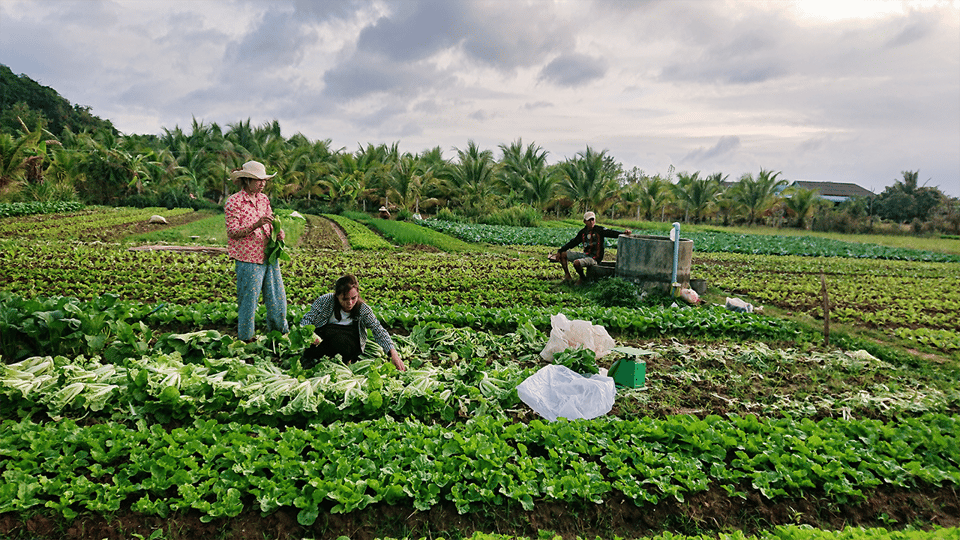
[648, 260]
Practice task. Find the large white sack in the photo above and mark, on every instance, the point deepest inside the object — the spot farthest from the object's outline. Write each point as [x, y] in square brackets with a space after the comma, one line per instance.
[557, 391]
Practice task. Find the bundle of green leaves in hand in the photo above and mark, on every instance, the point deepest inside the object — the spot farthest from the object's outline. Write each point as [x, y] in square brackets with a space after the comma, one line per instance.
[275, 247]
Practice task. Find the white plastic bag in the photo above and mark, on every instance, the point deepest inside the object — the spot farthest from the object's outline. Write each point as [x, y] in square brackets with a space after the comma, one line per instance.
[557, 391]
[565, 334]
[736, 304]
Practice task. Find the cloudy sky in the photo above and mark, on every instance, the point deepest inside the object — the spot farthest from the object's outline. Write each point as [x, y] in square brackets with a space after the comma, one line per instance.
[836, 90]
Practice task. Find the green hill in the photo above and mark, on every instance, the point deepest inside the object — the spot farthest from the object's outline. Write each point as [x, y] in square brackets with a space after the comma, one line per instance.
[23, 99]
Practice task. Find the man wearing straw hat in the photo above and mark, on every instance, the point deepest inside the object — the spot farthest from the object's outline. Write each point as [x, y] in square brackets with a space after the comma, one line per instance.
[249, 224]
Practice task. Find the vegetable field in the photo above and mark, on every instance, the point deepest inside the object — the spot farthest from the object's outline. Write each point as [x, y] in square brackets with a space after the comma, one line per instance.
[129, 408]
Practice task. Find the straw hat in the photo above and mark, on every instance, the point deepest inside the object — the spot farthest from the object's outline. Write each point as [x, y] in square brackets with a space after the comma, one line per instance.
[251, 169]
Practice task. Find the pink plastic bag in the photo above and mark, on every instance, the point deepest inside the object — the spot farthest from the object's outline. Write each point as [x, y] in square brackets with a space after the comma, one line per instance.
[690, 296]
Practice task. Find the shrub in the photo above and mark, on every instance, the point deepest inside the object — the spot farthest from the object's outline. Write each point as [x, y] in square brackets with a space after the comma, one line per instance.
[517, 216]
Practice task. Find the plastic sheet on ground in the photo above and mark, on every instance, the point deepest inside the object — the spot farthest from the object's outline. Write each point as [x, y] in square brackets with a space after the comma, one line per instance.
[557, 391]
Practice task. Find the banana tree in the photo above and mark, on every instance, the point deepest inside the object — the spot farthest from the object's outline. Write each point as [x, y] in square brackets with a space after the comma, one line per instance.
[13, 159]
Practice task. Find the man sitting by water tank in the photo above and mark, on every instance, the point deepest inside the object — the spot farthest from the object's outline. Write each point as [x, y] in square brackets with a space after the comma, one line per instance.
[592, 237]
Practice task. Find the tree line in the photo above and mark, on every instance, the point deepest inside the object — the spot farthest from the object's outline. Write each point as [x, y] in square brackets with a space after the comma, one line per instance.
[90, 161]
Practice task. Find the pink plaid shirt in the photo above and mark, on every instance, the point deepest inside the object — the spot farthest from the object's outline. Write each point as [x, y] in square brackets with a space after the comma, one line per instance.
[242, 210]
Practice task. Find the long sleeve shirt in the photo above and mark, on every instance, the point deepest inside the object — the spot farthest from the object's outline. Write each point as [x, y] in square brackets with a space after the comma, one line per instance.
[242, 210]
[321, 312]
[593, 241]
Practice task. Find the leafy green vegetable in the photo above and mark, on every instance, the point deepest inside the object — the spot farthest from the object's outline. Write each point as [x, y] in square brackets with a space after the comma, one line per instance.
[276, 249]
[578, 359]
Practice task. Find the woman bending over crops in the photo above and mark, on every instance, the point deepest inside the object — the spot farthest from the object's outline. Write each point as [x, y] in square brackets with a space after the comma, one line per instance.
[341, 319]
[249, 224]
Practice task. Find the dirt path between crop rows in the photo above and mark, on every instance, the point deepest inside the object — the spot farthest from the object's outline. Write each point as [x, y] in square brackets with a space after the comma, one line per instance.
[322, 233]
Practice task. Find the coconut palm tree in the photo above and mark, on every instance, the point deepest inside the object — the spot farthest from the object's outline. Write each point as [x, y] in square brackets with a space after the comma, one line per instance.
[800, 204]
[655, 195]
[697, 195]
[434, 170]
[343, 188]
[408, 181]
[520, 169]
[470, 179]
[590, 179]
[198, 170]
[301, 167]
[755, 196]
[375, 163]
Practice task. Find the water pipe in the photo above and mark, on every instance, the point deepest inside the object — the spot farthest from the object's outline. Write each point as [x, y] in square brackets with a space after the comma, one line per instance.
[675, 236]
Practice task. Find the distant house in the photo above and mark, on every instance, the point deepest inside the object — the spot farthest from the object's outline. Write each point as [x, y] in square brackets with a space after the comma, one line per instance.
[833, 191]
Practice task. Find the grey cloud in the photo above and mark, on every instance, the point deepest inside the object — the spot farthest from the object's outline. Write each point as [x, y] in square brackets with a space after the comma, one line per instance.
[409, 129]
[391, 54]
[715, 45]
[479, 115]
[365, 75]
[415, 31]
[428, 106]
[726, 145]
[51, 45]
[916, 27]
[84, 14]
[381, 116]
[518, 36]
[812, 145]
[278, 41]
[537, 105]
[744, 60]
[573, 70]
[316, 11]
[501, 35]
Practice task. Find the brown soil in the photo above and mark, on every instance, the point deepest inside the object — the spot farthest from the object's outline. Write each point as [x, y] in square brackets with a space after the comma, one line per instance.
[709, 511]
[111, 234]
[322, 233]
[181, 249]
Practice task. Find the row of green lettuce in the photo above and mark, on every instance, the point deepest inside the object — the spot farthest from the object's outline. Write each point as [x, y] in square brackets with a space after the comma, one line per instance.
[452, 373]
[707, 241]
[83, 224]
[31, 208]
[219, 470]
[51, 326]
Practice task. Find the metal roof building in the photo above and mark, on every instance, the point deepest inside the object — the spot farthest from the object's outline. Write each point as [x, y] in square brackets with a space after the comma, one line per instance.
[833, 191]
